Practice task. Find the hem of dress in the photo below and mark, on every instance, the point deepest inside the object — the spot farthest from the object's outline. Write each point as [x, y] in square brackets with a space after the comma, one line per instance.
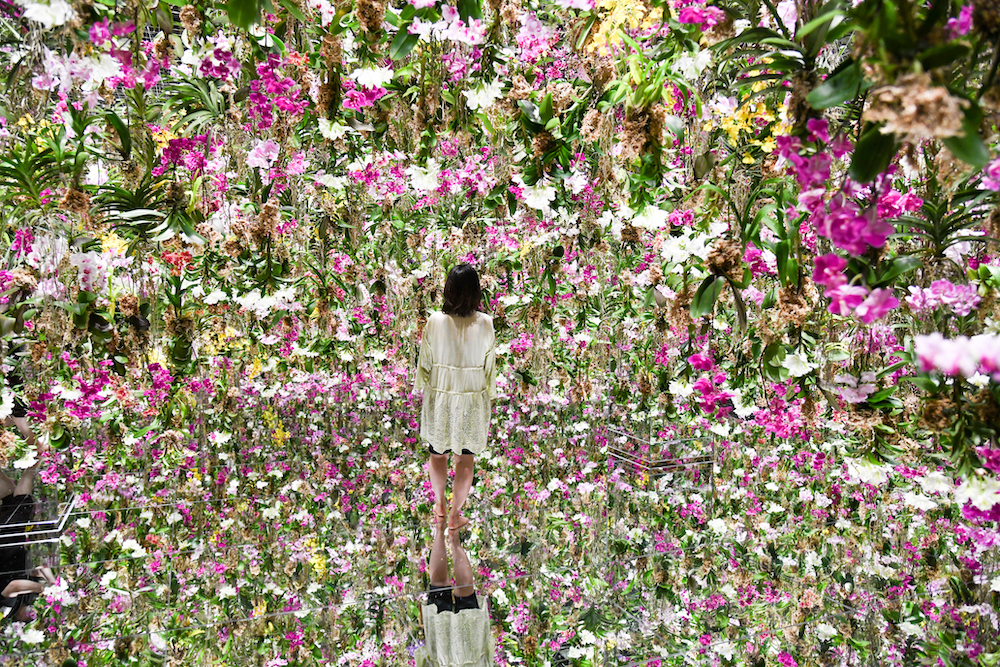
[455, 449]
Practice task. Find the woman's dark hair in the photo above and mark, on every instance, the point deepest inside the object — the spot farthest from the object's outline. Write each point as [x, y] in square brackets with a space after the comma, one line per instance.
[462, 293]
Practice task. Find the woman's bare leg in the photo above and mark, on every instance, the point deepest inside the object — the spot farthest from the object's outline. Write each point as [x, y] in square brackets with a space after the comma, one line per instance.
[438, 565]
[6, 485]
[438, 470]
[27, 481]
[463, 568]
[464, 468]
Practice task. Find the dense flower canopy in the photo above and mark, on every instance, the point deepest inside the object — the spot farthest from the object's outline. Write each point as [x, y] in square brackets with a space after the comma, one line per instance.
[742, 261]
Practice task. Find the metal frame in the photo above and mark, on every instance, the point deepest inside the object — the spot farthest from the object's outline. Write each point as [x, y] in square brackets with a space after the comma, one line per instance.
[33, 534]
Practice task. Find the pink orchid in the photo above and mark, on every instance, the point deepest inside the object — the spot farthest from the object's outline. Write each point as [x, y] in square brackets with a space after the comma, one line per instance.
[829, 270]
[876, 306]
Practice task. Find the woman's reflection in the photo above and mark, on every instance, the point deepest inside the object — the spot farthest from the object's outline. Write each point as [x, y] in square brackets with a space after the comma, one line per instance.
[456, 624]
[19, 585]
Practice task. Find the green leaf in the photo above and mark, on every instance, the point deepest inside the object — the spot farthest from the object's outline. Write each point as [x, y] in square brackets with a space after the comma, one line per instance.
[843, 85]
[631, 43]
[881, 395]
[781, 257]
[243, 13]
[7, 325]
[938, 11]
[817, 22]
[650, 297]
[585, 33]
[545, 110]
[970, 148]
[164, 19]
[928, 384]
[123, 133]
[530, 117]
[403, 43]
[896, 268]
[773, 362]
[741, 308]
[676, 125]
[469, 9]
[990, 274]
[781, 43]
[889, 370]
[872, 154]
[293, 10]
[705, 297]
[703, 164]
[945, 54]
[746, 37]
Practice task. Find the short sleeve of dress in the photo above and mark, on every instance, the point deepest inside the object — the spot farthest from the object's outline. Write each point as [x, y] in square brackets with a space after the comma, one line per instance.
[490, 365]
[425, 363]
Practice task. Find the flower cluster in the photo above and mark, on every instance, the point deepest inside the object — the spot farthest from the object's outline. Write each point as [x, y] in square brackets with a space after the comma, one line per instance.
[272, 91]
[959, 299]
[450, 28]
[93, 271]
[219, 61]
[963, 355]
[711, 397]
[848, 298]
[698, 13]
[192, 153]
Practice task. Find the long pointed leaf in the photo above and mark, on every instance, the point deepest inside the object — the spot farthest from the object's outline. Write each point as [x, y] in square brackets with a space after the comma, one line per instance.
[123, 134]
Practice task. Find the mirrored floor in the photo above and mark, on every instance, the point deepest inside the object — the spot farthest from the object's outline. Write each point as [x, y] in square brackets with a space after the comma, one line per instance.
[579, 548]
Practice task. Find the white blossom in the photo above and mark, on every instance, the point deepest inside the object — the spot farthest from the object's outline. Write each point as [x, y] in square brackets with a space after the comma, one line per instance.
[483, 97]
[33, 636]
[425, 179]
[936, 482]
[981, 491]
[331, 130]
[918, 501]
[798, 364]
[372, 77]
[50, 15]
[691, 66]
[539, 196]
[718, 526]
[860, 470]
[825, 631]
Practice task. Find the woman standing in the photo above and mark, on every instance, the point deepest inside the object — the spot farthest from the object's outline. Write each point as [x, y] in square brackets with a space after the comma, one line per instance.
[457, 373]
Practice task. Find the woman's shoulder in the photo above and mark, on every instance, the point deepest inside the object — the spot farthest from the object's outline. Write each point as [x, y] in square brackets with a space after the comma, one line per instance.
[485, 318]
[437, 317]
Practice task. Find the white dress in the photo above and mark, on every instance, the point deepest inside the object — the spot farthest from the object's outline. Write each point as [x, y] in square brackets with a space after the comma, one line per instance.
[457, 373]
[461, 639]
